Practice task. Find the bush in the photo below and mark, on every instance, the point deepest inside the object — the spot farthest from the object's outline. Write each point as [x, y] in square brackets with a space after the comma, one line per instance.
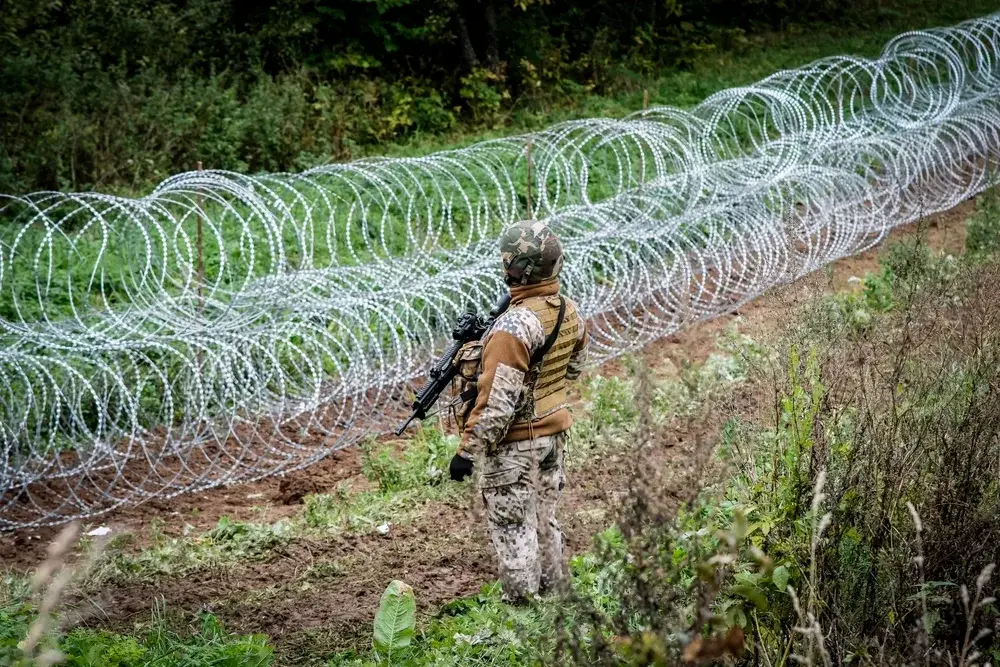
[859, 520]
[118, 94]
[112, 132]
[906, 415]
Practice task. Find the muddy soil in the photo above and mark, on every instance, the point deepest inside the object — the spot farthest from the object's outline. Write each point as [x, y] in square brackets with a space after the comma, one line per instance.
[444, 554]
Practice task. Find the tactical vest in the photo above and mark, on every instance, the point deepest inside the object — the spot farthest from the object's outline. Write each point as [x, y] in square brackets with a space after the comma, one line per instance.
[545, 383]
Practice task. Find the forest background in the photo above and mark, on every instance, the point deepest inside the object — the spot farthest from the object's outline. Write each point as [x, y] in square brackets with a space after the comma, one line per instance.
[115, 95]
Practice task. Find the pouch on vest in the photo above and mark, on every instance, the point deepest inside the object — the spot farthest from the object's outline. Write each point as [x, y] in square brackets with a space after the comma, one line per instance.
[468, 360]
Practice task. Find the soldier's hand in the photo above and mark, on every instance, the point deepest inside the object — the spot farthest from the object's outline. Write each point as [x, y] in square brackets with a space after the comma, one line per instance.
[461, 467]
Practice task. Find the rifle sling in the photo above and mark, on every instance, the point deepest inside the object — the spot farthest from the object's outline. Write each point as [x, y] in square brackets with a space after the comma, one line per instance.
[550, 340]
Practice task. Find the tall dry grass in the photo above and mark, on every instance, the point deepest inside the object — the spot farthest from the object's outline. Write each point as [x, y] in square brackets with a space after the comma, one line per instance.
[856, 518]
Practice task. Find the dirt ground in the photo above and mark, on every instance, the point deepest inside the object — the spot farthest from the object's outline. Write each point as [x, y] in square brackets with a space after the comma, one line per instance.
[444, 553]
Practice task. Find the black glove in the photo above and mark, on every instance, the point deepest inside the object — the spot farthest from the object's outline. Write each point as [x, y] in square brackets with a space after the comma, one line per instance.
[460, 467]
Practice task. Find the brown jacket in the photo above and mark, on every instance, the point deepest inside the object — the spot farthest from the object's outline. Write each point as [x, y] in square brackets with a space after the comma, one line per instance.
[503, 381]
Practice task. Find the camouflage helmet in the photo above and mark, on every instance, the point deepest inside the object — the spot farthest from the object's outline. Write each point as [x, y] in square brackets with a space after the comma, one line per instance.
[530, 252]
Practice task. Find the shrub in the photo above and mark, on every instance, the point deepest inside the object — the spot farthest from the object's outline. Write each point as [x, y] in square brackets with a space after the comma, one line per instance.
[859, 520]
[118, 94]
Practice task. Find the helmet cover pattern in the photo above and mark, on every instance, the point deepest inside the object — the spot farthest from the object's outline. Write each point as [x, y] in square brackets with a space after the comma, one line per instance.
[530, 252]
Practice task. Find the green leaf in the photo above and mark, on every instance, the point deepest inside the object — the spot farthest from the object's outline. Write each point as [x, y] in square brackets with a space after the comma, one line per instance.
[740, 527]
[780, 578]
[752, 594]
[395, 619]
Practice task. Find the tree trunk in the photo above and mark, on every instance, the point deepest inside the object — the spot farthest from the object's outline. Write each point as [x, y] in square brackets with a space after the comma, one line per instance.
[468, 53]
[492, 49]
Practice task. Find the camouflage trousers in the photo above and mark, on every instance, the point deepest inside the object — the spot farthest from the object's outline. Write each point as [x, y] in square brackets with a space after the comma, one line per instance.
[521, 486]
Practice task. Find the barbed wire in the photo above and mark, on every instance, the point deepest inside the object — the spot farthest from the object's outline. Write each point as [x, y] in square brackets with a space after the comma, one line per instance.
[226, 327]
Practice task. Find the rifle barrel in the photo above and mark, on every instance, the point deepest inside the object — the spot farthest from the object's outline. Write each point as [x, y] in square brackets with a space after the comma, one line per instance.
[400, 429]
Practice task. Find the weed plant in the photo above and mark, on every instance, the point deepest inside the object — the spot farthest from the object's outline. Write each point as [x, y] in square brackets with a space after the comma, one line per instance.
[859, 506]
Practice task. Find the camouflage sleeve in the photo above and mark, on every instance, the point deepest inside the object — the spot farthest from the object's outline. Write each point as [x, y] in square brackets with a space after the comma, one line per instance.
[495, 418]
[506, 354]
[523, 325]
[578, 360]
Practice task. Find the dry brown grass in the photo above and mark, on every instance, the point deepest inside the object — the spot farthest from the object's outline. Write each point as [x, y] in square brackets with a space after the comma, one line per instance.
[874, 453]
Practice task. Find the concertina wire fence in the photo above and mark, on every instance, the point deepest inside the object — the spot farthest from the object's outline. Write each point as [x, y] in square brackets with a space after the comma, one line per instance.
[226, 327]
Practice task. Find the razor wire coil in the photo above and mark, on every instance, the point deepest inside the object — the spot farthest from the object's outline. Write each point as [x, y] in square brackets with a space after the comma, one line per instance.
[227, 327]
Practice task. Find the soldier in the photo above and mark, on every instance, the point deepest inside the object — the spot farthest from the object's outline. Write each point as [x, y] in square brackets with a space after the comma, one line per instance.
[516, 425]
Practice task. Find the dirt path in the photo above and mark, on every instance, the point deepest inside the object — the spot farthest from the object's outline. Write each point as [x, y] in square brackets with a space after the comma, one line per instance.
[443, 554]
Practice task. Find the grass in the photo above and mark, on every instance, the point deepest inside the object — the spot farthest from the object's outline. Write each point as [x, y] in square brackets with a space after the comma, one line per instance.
[32, 636]
[399, 479]
[228, 543]
[207, 643]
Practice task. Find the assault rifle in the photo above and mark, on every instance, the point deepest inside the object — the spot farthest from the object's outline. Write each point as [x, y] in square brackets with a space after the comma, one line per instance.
[469, 327]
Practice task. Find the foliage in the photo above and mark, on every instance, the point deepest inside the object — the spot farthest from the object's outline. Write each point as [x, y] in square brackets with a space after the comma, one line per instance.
[119, 94]
[475, 630]
[32, 634]
[211, 644]
[610, 409]
[904, 415]
[823, 500]
[983, 239]
[483, 92]
[394, 622]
